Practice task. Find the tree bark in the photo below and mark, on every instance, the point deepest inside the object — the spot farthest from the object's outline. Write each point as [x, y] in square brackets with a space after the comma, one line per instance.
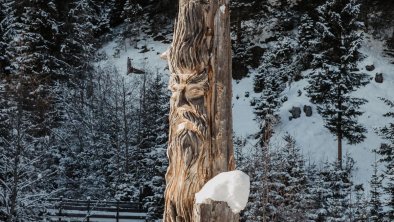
[200, 139]
[214, 211]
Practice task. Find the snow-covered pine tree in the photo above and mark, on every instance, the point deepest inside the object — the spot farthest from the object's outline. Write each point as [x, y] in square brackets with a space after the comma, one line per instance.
[79, 41]
[23, 177]
[335, 78]
[315, 193]
[3, 43]
[257, 166]
[154, 139]
[280, 195]
[116, 12]
[336, 190]
[359, 204]
[295, 181]
[386, 152]
[375, 203]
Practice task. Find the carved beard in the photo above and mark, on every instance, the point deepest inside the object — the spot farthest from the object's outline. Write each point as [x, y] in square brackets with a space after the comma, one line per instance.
[190, 131]
[186, 152]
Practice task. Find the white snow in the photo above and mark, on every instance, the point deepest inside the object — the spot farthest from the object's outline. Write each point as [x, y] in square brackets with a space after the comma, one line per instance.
[316, 142]
[232, 187]
[223, 8]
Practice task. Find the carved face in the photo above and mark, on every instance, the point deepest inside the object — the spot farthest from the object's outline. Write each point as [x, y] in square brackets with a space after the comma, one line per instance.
[188, 118]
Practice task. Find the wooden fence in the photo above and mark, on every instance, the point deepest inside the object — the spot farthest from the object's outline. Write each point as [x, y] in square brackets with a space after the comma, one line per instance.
[68, 210]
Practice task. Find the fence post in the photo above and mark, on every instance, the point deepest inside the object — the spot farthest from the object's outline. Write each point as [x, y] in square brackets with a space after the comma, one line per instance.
[117, 211]
[60, 208]
[88, 215]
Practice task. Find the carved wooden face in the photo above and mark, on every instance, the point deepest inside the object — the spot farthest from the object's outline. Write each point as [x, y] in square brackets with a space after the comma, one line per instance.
[189, 91]
[188, 117]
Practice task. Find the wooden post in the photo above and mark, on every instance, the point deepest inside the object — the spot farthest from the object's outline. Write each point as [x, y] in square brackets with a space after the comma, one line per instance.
[88, 214]
[117, 211]
[200, 139]
[214, 211]
[60, 208]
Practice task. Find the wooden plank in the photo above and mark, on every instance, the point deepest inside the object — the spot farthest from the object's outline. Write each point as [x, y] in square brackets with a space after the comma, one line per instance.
[93, 208]
[97, 216]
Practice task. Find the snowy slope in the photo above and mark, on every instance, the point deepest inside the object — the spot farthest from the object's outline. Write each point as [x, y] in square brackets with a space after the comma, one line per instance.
[315, 141]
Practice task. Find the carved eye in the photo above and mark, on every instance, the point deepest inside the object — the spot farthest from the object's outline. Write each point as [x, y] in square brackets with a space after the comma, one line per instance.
[194, 92]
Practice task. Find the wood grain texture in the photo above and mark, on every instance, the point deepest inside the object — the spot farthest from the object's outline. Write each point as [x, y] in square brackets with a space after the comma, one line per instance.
[200, 141]
[214, 211]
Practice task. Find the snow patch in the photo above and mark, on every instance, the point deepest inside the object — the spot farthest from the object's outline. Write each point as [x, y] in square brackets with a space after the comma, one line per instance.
[223, 8]
[232, 187]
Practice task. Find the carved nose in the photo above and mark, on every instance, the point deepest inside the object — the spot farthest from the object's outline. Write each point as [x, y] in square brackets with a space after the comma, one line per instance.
[181, 99]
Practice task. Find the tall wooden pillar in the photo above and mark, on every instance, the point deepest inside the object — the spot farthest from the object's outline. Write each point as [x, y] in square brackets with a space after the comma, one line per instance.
[200, 140]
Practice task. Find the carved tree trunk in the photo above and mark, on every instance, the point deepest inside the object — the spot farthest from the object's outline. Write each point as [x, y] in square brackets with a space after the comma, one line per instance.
[200, 141]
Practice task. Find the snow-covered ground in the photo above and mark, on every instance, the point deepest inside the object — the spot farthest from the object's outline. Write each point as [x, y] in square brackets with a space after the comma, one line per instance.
[315, 141]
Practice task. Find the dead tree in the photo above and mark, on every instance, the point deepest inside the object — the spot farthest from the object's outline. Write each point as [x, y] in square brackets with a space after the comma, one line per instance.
[200, 138]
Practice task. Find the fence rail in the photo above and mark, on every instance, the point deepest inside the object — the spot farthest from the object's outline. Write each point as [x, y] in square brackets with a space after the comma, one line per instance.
[69, 210]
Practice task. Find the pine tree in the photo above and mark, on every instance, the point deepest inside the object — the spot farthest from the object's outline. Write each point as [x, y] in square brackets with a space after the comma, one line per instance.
[315, 193]
[296, 182]
[257, 168]
[22, 175]
[155, 130]
[386, 152]
[375, 204]
[359, 205]
[336, 190]
[79, 40]
[331, 84]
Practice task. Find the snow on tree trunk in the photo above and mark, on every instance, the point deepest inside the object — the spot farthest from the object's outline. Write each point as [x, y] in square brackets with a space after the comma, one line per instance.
[200, 138]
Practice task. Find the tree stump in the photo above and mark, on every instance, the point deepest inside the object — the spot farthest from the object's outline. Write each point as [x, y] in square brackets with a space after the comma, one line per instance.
[214, 211]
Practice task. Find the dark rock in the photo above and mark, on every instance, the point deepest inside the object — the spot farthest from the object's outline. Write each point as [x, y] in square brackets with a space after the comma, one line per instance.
[246, 94]
[144, 50]
[159, 38]
[239, 69]
[255, 53]
[308, 110]
[370, 68]
[253, 102]
[298, 76]
[295, 112]
[379, 77]
[271, 39]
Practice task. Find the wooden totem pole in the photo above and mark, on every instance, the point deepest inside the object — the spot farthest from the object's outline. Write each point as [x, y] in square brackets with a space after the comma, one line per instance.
[200, 139]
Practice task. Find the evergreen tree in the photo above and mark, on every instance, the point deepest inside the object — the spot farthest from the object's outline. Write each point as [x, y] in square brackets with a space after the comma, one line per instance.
[79, 40]
[154, 139]
[359, 205]
[257, 167]
[375, 204]
[280, 195]
[386, 151]
[334, 80]
[336, 190]
[314, 197]
[22, 172]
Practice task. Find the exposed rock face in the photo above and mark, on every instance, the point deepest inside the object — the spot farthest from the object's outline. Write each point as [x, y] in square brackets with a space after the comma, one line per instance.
[370, 68]
[308, 110]
[295, 113]
[379, 77]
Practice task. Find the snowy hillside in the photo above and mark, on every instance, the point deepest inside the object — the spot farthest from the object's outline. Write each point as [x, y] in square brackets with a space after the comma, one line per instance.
[311, 136]
[317, 142]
